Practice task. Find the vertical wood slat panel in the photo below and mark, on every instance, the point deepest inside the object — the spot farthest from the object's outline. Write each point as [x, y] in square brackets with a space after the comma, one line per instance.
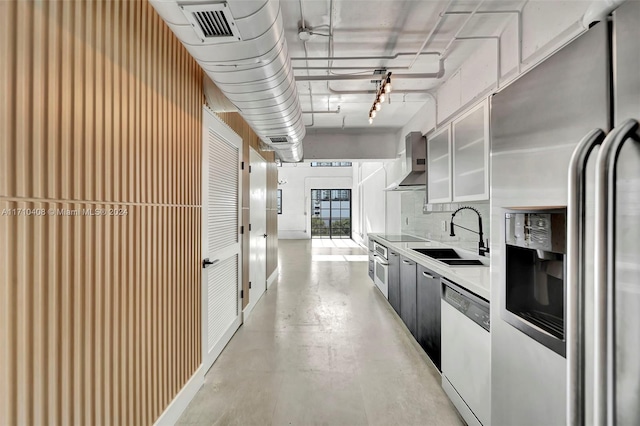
[8, 352]
[23, 295]
[8, 31]
[23, 93]
[108, 112]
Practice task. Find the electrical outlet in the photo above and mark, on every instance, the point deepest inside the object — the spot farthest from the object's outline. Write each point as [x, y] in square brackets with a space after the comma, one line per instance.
[444, 226]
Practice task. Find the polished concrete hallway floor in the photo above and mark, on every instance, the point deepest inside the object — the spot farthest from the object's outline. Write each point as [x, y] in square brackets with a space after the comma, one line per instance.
[322, 347]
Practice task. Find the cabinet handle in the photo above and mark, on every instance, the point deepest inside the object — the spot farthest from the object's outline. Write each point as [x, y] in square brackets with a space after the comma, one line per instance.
[394, 254]
[406, 262]
[428, 275]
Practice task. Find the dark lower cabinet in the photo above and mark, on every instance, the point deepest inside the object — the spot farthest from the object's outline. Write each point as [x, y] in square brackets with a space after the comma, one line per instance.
[408, 295]
[394, 280]
[428, 313]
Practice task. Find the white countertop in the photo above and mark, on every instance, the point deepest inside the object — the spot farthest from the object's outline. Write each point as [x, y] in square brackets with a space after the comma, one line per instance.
[476, 279]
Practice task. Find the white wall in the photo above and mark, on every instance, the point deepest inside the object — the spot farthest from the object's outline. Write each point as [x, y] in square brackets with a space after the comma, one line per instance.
[370, 179]
[301, 178]
[356, 144]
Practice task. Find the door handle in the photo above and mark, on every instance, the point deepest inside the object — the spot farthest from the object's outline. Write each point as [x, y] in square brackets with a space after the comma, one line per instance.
[605, 256]
[264, 235]
[206, 262]
[575, 276]
[428, 275]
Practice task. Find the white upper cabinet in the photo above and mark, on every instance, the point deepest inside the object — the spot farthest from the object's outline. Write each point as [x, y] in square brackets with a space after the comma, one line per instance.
[471, 155]
[458, 159]
[439, 166]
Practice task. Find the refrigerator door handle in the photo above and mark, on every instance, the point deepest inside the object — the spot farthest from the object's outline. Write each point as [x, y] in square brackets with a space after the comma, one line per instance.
[605, 227]
[575, 276]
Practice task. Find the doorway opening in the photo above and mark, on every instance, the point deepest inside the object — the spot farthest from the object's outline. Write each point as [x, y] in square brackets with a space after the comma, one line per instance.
[331, 213]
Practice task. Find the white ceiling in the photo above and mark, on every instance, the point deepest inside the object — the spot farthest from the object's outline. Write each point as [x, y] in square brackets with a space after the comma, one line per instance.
[380, 28]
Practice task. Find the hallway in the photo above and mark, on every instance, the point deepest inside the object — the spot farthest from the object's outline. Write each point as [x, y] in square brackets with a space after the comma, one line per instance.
[322, 347]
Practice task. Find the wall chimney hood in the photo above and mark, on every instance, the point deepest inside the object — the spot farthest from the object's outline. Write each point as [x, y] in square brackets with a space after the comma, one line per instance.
[415, 177]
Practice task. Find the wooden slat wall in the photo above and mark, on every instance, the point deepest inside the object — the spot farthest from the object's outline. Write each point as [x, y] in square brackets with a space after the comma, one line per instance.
[250, 139]
[100, 108]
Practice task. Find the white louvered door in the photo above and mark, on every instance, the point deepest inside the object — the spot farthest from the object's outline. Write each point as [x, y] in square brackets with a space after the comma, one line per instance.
[221, 242]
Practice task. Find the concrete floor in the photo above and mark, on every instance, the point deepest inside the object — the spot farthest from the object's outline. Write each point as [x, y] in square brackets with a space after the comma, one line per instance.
[322, 347]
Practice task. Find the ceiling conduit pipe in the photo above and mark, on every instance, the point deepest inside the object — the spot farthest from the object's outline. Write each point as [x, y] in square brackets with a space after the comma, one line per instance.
[431, 34]
[371, 68]
[247, 58]
[372, 92]
[437, 74]
[445, 52]
[518, 13]
[416, 55]
[361, 58]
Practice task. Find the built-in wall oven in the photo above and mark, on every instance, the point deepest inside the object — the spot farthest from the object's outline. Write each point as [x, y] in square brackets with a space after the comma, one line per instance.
[371, 261]
[381, 268]
[534, 293]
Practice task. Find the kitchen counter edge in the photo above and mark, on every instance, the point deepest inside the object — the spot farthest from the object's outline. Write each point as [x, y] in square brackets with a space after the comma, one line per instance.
[476, 279]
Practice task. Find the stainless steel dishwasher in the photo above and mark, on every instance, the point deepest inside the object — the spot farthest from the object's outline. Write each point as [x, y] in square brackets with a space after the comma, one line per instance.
[466, 352]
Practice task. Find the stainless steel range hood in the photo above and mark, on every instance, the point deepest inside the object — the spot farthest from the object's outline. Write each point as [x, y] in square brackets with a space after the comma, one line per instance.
[415, 177]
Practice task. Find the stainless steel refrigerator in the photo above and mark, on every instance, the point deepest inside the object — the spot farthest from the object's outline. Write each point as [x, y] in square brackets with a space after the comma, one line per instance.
[566, 135]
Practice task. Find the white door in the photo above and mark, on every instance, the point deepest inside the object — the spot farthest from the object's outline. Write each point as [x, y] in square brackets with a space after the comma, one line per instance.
[221, 243]
[258, 221]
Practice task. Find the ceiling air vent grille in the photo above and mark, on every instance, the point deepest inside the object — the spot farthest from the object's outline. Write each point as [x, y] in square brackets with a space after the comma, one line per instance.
[279, 139]
[212, 22]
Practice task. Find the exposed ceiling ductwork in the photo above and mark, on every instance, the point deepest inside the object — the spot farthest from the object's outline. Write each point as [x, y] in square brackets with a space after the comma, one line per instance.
[241, 46]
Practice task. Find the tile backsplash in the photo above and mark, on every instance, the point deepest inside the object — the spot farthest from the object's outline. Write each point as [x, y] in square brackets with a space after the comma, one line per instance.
[430, 224]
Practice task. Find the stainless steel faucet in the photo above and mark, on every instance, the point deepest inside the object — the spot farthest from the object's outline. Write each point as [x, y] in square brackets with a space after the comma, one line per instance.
[482, 249]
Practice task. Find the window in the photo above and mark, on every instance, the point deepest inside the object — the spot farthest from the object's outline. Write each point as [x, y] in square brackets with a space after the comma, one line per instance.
[330, 164]
[279, 201]
[331, 213]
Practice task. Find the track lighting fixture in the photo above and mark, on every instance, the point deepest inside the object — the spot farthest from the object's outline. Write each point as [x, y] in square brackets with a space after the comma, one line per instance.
[387, 84]
[383, 90]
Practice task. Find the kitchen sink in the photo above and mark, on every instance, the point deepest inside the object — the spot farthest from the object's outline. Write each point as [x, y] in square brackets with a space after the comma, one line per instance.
[450, 256]
[438, 253]
[462, 262]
